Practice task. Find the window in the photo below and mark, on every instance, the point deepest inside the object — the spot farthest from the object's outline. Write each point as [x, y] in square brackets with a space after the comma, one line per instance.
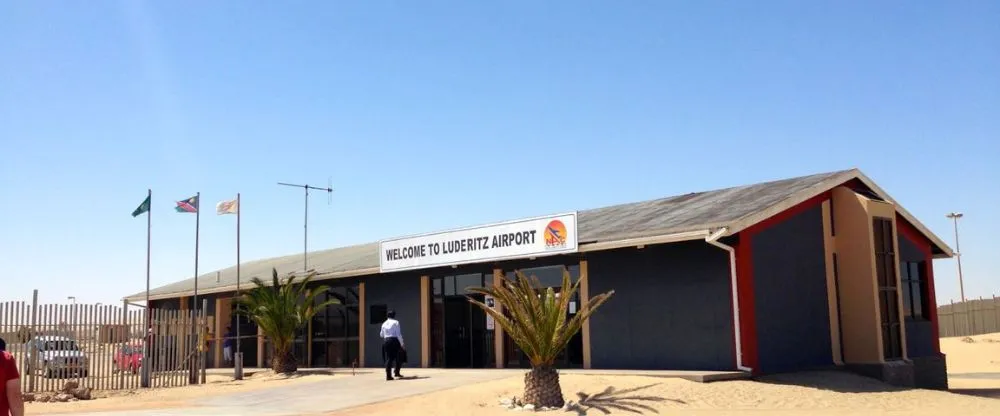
[550, 277]
[914, 287]
[885, 271]
[465, 281]
[377, 314]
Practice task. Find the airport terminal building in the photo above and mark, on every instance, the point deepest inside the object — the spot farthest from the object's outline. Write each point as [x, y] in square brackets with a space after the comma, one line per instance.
[806, 273]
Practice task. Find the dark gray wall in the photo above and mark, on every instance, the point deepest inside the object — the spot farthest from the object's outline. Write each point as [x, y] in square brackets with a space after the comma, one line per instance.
[790, 295]
[400, 292]
[172, 304]
[671, 309]
[919, 333]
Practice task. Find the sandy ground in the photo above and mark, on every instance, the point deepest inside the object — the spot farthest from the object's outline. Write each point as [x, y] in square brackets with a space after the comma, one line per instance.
[813, 393]
[820, 393]
[977, 354]
[175, 396]
[972, 355]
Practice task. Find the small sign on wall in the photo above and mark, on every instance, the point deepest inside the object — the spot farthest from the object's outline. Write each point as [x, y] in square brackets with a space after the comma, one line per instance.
[490, 324]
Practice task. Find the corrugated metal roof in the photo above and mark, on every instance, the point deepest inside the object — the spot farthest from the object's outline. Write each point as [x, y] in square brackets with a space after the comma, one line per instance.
[688, 212]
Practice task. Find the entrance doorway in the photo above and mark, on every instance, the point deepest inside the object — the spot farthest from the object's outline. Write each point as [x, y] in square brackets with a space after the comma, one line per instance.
[466, 338]
[459, 334]
[550, 277]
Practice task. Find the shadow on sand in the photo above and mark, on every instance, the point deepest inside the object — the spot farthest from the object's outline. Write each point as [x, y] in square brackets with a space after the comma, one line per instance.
[404, 378]
[832, 380]
[989, 393]
[623, 400]
[846, 382]
[302, 373]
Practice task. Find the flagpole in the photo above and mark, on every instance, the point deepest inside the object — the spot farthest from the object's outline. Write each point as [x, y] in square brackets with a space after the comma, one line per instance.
[194, 307]
[149, 239]
[197, 221]
[239, 366]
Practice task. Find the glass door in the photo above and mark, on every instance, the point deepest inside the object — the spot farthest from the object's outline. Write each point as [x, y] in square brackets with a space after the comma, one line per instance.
[459, 337]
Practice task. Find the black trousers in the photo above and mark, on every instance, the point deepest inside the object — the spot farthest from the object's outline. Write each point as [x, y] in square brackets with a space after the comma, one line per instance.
[391, 349]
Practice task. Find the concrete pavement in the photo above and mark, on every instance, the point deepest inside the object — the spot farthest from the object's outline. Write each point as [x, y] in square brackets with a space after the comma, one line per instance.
[367, 387]
[325, 396]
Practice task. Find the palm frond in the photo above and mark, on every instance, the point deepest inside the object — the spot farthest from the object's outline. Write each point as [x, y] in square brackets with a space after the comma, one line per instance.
[535, 318]
[283, 307]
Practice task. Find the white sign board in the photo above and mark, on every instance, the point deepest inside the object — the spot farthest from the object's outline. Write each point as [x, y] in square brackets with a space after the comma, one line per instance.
[490, 324]
[533, 237]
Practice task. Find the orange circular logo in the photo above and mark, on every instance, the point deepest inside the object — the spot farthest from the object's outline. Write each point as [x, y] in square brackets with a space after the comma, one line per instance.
[555, 234]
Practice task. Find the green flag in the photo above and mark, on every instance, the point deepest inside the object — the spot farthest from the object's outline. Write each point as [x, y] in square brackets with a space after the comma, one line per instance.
[143, 207]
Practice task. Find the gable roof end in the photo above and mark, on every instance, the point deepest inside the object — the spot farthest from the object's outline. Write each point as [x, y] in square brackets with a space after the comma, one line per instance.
[941, 249]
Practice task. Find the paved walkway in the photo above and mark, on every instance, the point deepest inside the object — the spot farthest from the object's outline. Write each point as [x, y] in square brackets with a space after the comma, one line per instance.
[325, 396]
[367, 387]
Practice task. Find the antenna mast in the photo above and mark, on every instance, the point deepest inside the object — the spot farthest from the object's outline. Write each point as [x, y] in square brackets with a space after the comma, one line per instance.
[305, 225]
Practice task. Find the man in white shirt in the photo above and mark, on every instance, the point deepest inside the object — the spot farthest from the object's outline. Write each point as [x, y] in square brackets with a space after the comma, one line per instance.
[392, 345]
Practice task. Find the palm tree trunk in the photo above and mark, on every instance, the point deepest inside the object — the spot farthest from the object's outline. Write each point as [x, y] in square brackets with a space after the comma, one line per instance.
[541, 388]
[284, 362]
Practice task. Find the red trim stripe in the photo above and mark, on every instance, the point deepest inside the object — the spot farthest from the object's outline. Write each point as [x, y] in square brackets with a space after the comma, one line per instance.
[744, 292]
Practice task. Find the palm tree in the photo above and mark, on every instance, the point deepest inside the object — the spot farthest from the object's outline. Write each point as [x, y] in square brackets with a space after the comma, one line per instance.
[280, 310]
[536, 321]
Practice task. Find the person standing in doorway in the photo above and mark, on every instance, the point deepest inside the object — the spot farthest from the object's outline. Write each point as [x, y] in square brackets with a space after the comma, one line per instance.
[392, 345]
[227, 345]
[11, 401]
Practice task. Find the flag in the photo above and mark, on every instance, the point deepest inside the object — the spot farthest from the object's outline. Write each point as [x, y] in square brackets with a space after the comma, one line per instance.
[228, 207]
[187, 205]
[143, 207]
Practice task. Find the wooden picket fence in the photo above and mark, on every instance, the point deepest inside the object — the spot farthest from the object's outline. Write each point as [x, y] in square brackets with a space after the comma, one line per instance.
[972, 317]
[102, 346]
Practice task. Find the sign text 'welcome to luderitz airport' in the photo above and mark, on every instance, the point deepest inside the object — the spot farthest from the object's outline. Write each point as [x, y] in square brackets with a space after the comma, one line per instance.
[531, 237]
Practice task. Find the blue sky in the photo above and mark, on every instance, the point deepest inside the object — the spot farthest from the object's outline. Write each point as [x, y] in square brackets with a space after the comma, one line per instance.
[430, 115]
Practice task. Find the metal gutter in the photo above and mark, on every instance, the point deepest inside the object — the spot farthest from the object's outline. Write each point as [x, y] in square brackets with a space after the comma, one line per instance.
[713, 239]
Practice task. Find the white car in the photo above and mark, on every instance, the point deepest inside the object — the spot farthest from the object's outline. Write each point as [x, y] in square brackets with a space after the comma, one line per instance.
[57, 356]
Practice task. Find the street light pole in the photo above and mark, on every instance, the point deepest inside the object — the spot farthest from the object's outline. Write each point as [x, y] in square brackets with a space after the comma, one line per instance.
[954, 216]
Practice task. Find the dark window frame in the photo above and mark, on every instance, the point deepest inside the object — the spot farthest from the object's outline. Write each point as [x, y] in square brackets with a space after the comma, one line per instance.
[914, 308]
[885, 267]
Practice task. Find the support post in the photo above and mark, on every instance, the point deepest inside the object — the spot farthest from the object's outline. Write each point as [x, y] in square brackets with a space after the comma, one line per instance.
[498, 350]
[584, 300]
[425, 321]
[31, 336]
[203, 355]
[260, 348]
[309, 343]
[125, 326]
[220, 333]
[362, 323]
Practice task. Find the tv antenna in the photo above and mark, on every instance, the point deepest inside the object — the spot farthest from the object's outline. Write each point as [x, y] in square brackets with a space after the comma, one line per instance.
[305, 225]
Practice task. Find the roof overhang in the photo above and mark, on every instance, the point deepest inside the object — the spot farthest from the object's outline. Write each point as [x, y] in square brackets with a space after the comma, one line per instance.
[715, 231]
[584, 247]
[246, 285]
[828, 184]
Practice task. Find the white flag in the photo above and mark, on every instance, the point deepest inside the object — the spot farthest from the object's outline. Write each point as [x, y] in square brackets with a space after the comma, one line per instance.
[227, 207]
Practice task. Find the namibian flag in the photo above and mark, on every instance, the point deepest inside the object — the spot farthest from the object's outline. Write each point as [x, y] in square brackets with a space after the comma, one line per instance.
[187, 205]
